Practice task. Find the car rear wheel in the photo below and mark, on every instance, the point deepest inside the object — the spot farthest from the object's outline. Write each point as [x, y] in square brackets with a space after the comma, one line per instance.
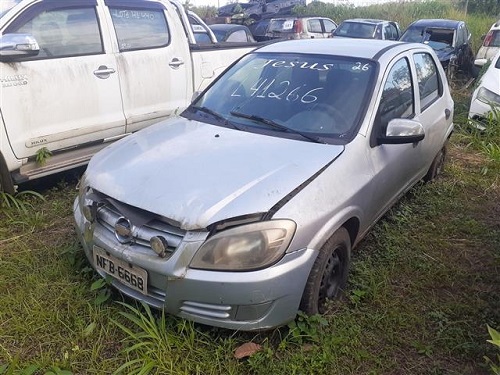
[437, 165]
[328, 275]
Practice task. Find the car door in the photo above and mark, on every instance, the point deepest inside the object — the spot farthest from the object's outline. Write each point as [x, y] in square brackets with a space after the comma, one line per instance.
[154, 61]
[314, 28]
[433, 110]
[68, 95]
[328, 27]
[395, 166]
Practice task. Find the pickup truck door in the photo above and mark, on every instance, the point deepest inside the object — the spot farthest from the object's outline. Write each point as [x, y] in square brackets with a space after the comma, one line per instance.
[69, 95]
[153, 61]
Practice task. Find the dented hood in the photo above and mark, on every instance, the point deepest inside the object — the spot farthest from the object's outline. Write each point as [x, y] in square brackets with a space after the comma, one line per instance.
[196, 174]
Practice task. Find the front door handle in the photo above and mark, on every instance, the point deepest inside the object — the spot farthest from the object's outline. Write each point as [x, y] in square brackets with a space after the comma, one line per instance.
[175, 63]
[447, 113]
[103, 72]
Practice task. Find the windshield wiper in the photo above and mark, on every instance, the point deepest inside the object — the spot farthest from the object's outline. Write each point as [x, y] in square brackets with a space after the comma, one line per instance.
[275, 125]
[215, 114]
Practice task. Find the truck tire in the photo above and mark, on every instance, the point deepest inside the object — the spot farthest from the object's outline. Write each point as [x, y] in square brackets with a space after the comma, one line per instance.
[6, 183]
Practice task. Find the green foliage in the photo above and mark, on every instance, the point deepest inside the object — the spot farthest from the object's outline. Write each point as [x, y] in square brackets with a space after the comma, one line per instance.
[42, 155]
[306, 328]
[20, 201]
[495, 340]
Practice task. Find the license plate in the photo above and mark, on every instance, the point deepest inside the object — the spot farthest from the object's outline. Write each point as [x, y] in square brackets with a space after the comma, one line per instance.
[132, 276]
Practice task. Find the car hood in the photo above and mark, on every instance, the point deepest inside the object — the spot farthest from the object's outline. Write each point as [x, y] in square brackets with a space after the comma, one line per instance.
[445, 54]
[196, 174]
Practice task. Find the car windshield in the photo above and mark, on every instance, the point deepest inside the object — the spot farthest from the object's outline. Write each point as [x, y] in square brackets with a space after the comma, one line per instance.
[290, 95]
[355, 30]
[437, 38]
[6, 5]
[495, 39]
[281, 24]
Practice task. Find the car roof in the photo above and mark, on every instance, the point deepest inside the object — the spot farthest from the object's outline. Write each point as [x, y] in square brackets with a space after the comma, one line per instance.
[361, 48]
[365, 20]
[452, 24]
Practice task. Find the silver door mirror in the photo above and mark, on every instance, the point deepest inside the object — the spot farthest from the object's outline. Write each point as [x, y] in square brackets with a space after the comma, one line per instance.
[14, 46]
[401, 131]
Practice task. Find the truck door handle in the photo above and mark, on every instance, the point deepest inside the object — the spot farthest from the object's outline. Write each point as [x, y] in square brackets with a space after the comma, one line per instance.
[175, 63]
[103, 72]
[447, 113]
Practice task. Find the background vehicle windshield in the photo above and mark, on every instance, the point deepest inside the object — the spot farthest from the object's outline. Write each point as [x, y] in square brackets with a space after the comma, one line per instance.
[315, 94]
[6, 5]
[355, 30]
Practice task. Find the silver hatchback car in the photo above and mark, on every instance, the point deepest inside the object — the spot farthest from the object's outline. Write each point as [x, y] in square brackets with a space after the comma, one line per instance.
[245, 208]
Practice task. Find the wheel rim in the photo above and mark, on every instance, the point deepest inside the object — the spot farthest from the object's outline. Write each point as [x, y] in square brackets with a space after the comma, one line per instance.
[331, 279]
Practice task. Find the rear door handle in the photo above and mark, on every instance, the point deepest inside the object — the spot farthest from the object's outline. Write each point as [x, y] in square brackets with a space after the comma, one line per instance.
[447, 113]
[175, 63]
[103, 72]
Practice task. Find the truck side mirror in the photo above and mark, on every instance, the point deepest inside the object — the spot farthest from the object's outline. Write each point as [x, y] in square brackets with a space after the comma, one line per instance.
[15, 46]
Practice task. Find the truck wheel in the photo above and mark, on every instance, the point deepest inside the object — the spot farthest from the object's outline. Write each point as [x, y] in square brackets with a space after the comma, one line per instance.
[6, 183]
[328, 275]
[437, 165]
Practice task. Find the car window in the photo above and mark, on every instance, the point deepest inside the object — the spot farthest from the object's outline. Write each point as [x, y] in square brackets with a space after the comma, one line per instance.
[355, 30]
[460, 36]
[140, 28]
[428, 79]
[64, 32]
[329, 26]
[237, 36]
[321, 95]
[390, 32]
[494, 40]
[314, 26]
[397, 97]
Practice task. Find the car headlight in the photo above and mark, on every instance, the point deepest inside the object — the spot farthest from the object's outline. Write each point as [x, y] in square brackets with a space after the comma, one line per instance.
[245, 248]
[486, 96]
[84, 202]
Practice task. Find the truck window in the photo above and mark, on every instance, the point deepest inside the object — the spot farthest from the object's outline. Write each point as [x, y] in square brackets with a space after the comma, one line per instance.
[140, 28]
[63, 32]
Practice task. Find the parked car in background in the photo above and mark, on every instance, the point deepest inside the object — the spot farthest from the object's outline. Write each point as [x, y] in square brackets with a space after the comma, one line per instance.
[300, 28]
[489, 48]
[449, 38]
[245, 208]
[368, 29]
[232, 33]
[257, 9]
[486, 96]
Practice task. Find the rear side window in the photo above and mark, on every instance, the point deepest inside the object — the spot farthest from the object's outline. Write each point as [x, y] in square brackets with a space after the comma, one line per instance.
[397, 97]
[140, 28]
[428, 80]
[329, 26]
[64, 32]
[314, 26]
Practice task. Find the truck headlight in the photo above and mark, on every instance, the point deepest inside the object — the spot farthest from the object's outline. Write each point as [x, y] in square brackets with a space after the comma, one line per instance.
[245, 248]
[486, 96]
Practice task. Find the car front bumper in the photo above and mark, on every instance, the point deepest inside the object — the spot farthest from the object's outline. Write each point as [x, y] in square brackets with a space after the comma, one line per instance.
[253, 300]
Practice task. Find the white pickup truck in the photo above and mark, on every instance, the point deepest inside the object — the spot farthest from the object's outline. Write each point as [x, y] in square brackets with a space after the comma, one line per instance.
[78, 74]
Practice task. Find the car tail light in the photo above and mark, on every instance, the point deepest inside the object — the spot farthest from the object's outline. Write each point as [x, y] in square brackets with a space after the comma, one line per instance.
[488, 38]
[297, 26]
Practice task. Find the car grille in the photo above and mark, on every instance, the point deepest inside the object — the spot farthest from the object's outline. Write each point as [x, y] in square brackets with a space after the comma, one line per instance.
[145, 225]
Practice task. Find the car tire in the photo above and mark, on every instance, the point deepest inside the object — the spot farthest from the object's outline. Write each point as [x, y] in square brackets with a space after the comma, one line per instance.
[437, 165]
[328, 275]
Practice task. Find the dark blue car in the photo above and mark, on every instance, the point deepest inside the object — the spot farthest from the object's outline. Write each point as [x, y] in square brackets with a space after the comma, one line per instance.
[450, 39]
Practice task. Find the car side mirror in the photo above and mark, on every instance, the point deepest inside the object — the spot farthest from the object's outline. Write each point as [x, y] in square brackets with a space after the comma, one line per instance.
[15, 46]
[401, 131]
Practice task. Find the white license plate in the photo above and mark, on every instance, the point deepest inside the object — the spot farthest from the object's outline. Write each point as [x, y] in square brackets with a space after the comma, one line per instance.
[132, 276]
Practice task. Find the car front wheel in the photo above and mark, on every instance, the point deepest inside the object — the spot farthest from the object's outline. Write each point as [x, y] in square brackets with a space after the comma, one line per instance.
[328, 275]
[437, 165]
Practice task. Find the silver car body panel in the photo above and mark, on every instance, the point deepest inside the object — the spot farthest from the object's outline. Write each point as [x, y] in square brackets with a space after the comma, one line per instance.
[193, 175]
